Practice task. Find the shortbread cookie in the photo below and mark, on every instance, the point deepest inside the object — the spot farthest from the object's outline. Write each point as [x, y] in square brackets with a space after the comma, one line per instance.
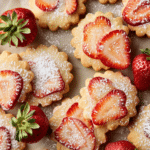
[140, 130]
[52, 74]
[136, 15]
[109, 99]
[67, 116]
[12, 71]
[107, 1]
[11, 132]
[101, 41]
[57, 13]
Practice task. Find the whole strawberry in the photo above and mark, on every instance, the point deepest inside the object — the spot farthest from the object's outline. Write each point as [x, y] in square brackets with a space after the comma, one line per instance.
[120, 145]
[141, 70]
[17, 27]
[31, 124]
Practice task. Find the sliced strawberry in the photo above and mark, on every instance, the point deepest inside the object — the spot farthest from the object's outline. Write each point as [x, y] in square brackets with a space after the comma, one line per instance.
[47, 80]
[11, 84]
[47, 5]
[92, 33]
[76, 112]
[114, 49]
[5, 138]
[74, 134]
[137, 12]
[98, 87]
[71, 6]
[110, 107]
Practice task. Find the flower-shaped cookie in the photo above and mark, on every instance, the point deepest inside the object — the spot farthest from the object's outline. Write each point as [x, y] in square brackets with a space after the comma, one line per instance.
[51, 74]
[7, 133]
[57, 13]
[101, 41]
[136, 15]
[71, 130]
[109, 99]
[107, 1]
[15, 79]
[140, 130]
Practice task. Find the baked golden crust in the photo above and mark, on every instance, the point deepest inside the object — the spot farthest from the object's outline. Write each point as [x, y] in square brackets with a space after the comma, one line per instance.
[60, 59]
[119, 82]
[5, 121]
[77, 40]
[57, 18]
[14, 62]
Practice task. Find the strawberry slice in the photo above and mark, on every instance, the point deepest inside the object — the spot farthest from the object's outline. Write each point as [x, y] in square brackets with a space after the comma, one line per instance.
[98, 87]
[71, 6]
[92, 33]
[76, 112]
[5, 138]
[74, 134]
[47, 80]
[47, 5]
[114, 49]
[11, 84]
[137, 12]
[110, 107]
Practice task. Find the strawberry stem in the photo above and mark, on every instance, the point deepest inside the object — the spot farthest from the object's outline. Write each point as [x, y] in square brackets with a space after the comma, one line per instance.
[147, 52]
[24, 123]
[14, 29]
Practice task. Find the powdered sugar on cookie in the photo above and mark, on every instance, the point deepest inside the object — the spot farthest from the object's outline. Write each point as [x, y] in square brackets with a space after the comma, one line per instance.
[52, 74]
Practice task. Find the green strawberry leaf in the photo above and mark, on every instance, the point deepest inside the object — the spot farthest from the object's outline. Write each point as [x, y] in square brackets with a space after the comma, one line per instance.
[30, 114]
[19, 21]
[19, 36]
[34, 126]
[24, 134]
[3, 25]
[28, 130]
[6, 40]
[14, 121]
[19, 113]
[2, 36]
[14, 18]
[23, 24]
[32, 120]
[26, 109]
[15, 40]
[6, 19]
[25, 30]
[7, 29]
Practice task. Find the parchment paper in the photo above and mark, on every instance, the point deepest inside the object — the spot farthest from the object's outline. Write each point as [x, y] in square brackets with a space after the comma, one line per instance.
[62, 40]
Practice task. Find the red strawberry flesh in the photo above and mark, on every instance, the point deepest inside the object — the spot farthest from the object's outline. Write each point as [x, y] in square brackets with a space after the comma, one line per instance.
[5, 139]
[110, 107]
[93, 32]
[114, 49]
[99, 87]
[120, 145]
[71, 6]
[11, 84]
[48, 79]
[141, 72]
[46, 5]
[137, 12]
[74, 134]
[25, 14]
[75, 112]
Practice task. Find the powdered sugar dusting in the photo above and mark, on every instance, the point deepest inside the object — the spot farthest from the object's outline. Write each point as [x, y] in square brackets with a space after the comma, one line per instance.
[4, 121]
[142, 127]
[46, 74]
[74, 134]
[23, 72]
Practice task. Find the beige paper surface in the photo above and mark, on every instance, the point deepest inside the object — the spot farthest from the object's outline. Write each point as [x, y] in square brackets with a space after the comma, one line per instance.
[62, 40]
